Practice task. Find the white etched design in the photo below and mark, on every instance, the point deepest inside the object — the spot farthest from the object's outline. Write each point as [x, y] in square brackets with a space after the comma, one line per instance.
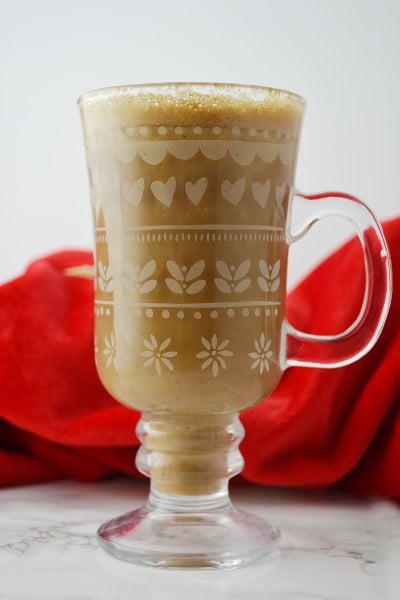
[163, 131]
[242, 152]
[195, 191]
[126, 153]
[261, 192]
[101, 310]
[193, 310]
[270, 280]
[262, 354]
[214, 354]
[105, 279]
[183, 149]
[137, 279]
[185, 280]
[156, 354]
[233, 279]
[112, 353]
[207, 233]
[280, 192]
[164, 192]
[233, 191]
[133, 192]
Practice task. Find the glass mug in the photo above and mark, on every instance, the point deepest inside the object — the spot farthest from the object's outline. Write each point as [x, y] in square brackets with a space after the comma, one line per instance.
[191, 188]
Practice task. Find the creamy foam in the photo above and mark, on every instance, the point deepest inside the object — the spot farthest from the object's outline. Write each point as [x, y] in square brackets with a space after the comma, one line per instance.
[202, 104]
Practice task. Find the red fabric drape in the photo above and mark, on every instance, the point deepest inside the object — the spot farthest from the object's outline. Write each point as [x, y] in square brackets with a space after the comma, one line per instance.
[319, 428]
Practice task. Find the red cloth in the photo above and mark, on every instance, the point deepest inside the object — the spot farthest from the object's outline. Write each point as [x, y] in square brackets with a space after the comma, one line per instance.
[319, 428]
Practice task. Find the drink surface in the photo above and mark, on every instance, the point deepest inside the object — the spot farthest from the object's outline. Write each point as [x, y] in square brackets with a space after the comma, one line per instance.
[206, 105]
[190, 187]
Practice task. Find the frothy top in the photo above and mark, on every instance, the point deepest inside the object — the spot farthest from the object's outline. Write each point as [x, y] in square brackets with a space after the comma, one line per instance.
[192, 104]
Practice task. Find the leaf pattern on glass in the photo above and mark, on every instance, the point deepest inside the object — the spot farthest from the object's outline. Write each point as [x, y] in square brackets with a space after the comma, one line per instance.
[147, 270]
[196, 287]
[270, 280]
[195, 270]
[105, 279]
[185, 280]
[148, 286]
[224, 270]
[233, 279]
[242, 270]
[263, 269]
[242, 286]
[223, 285]
[174, 286]
[175, 270]
[137, 278]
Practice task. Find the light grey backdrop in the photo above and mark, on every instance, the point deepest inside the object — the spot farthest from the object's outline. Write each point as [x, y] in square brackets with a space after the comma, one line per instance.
[342, 55]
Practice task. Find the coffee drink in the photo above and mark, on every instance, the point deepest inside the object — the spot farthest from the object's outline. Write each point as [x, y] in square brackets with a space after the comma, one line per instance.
[190, 190]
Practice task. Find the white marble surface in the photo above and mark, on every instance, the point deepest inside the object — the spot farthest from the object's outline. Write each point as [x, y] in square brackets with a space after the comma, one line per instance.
[333, 548]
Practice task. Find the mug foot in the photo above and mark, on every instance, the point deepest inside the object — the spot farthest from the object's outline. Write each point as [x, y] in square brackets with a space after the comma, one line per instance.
[222, 537]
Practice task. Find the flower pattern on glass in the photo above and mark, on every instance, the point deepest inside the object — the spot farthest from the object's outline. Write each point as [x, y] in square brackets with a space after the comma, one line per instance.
[111, 352]
[105, 279]
[262, 355]
[270, 281]
[233, 279]
[137, 278]
[156, 354]
[184, 280]
[214, 354]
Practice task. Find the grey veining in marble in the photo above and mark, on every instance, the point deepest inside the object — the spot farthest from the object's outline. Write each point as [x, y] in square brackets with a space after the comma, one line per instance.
[333, 548]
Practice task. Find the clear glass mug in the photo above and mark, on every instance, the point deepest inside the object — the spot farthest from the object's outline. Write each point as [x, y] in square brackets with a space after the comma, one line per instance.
[192, 188]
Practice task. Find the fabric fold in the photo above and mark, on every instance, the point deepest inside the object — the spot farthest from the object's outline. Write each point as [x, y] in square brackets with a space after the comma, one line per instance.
[319, 428]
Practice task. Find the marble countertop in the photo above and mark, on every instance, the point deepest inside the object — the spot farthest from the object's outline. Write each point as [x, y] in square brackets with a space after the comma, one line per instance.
[333, 547]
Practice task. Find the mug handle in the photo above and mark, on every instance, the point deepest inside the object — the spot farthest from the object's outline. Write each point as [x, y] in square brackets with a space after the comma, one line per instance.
[328, 351]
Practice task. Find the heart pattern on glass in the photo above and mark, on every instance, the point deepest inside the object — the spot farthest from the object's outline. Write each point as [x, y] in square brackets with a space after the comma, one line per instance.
[233, 192]
[133, 192]
[164, 192]
[280, 191]
[195, 191]
[261, 192]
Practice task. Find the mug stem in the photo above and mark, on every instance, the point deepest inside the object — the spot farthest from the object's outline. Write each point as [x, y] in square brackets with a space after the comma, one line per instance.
[189, 456]
[188, 519]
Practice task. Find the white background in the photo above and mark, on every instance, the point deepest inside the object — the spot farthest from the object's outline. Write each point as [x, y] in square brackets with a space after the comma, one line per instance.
[342, 55]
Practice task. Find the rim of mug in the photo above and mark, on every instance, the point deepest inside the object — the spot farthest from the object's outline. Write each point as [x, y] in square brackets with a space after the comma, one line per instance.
[104, 93]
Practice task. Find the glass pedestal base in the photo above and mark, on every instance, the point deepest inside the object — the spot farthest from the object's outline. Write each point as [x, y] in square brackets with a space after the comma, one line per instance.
[205, 532]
